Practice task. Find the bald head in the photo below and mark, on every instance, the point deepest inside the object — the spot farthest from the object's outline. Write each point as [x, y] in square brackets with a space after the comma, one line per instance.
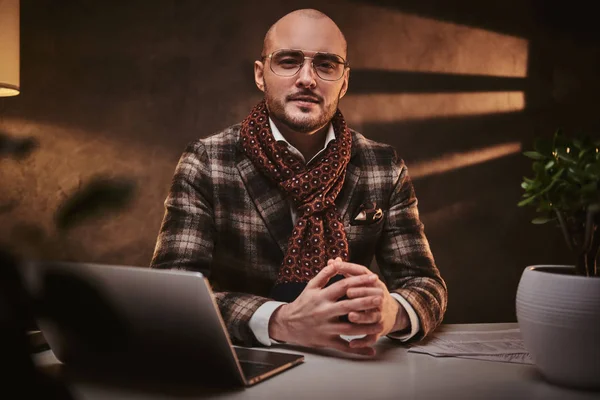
[287, 26]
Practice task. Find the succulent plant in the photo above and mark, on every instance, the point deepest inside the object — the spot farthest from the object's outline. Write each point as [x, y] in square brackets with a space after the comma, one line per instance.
[565, 188]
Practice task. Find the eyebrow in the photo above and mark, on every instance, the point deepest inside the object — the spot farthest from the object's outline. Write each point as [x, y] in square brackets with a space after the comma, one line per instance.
[333, 56]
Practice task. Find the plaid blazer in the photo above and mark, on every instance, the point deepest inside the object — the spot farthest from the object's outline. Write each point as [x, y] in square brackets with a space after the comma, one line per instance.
[224, 218]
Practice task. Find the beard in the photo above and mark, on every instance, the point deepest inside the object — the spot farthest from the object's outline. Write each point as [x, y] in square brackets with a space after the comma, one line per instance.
[306, 122]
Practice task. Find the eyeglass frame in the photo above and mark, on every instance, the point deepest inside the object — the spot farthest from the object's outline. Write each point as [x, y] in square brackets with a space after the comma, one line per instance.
[345, 63]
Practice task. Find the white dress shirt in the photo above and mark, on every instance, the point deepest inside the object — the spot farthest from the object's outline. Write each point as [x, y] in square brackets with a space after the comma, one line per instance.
[259, 322]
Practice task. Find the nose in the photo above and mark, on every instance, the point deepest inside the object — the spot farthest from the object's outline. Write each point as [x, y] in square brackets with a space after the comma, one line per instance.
[306, 76]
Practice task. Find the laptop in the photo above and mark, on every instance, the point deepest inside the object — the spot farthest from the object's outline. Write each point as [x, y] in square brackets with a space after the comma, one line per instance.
[141, 321]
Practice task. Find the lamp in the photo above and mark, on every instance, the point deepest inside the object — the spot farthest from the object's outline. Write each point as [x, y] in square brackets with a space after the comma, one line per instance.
[9, 48]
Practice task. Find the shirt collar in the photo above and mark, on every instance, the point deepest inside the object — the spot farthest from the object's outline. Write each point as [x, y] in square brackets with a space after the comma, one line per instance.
[279, 138]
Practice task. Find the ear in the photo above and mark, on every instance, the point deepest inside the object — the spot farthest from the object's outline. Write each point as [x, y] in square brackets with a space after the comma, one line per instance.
[259, 77]
[346, 79]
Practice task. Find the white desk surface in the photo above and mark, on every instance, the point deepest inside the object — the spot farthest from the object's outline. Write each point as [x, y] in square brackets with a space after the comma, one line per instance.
[392, 374]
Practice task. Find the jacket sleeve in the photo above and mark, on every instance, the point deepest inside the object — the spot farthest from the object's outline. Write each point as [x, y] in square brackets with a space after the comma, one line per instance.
[404, 256]
[187, 237]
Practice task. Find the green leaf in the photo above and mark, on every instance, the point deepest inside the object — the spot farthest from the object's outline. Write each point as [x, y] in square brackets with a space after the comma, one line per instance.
[538, 168]
[557, 174]
[549, 164]
[563, 154]
[587, 154]
[544, 205]
[541, 220]
[525, 185]
[592, 170]
[528, 200]
[534, 155]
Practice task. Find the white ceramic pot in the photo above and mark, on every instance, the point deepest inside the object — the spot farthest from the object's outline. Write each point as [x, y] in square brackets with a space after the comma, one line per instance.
[559, 317]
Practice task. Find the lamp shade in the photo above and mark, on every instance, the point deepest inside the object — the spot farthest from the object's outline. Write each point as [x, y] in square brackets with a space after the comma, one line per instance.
[9, 48]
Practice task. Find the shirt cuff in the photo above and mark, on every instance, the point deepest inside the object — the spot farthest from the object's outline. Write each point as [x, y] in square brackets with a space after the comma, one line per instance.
[259, 322]
[415, 325]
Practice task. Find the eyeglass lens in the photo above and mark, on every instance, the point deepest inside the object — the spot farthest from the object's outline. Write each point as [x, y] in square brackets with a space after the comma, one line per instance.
[289, 62]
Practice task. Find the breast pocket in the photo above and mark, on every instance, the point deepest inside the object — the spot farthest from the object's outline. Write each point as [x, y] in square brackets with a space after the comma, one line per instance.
[364, 231]
[362, 241]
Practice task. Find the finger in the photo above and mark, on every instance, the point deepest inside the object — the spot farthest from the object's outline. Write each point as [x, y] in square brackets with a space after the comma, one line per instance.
[349, 329]
[340, 270]
[350, 269]
[344, 307]
[321, 279]
[367, 317]
[365, 342]
[331, 260]
[363, 291]
[339, 288]
[342, 345]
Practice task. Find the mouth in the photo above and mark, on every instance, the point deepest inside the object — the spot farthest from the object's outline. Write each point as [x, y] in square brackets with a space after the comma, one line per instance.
[305, 99]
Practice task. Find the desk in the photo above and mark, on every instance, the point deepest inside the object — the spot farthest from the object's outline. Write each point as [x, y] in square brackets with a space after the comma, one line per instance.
[392, 374]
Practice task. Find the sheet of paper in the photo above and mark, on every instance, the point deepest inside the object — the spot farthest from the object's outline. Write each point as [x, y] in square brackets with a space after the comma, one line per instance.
[502, 345]
[521, 358]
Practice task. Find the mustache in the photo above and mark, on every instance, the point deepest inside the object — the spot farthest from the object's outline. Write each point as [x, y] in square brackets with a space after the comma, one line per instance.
[309, 96]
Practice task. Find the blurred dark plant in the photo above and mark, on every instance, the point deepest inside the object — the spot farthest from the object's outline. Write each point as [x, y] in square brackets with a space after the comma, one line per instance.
[16, 148]
[565, 188]
[100, 196]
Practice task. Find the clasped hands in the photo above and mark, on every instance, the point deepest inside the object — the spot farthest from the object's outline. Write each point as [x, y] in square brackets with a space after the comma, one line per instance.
[313, 319]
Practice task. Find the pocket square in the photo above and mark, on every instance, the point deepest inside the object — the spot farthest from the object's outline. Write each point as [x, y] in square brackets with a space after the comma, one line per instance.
[368, 213]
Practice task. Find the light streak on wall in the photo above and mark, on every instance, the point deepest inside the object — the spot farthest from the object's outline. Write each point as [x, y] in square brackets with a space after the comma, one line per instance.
[389, 108]
[386, 40]
[453, 161]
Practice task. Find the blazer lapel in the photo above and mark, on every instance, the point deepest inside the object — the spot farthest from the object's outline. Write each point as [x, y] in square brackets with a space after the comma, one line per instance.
[269, 201]
[350, 181]
[353, 172]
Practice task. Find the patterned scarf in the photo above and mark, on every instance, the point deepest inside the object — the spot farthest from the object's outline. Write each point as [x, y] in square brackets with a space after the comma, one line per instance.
[319, 232]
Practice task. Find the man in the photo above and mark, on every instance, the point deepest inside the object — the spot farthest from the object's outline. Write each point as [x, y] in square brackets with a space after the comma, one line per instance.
[275, 210]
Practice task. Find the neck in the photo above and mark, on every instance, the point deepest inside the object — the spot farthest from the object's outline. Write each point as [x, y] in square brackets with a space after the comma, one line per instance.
[308, 143]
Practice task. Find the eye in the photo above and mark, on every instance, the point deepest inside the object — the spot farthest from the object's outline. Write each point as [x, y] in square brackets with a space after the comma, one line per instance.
[288, 61]
[325, 65]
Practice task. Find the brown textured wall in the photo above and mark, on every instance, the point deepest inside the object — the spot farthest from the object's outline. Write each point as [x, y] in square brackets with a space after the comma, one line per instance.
[119, 88]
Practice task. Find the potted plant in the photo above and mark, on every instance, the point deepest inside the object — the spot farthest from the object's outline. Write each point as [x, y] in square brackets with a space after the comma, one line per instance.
[558, 306]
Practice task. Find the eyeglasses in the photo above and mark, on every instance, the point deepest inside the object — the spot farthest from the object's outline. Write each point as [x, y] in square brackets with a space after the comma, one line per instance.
[287, 62]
